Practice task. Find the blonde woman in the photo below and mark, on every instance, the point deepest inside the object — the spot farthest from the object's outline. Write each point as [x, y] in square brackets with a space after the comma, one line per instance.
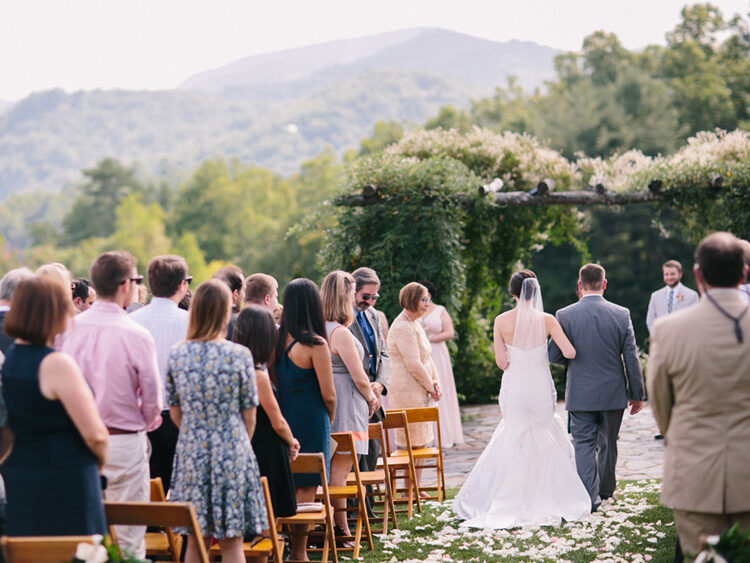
[414, 378]
[355, 399]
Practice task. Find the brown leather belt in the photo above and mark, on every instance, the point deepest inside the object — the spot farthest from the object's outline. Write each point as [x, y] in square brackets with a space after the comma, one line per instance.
[115, 431]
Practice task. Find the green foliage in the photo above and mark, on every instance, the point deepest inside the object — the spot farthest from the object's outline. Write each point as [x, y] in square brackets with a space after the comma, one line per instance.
[424, 227]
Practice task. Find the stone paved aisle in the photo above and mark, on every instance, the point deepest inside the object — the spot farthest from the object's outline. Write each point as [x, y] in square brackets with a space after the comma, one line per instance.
[640, 456]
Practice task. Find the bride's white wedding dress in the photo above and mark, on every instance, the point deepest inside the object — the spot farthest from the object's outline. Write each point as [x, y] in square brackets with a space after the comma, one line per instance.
[526, 475]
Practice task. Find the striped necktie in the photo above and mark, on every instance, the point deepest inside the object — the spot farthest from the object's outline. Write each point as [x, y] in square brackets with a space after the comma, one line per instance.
[670, 300]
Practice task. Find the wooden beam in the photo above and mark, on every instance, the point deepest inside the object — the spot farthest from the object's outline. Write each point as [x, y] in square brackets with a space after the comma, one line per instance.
[525, 199]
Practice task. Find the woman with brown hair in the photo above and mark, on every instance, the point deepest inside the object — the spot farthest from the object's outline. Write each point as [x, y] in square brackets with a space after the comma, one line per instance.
[60, 442]
[212, 398]
[355, 400]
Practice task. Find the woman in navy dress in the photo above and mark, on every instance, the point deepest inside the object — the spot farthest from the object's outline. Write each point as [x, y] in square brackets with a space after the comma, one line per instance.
[59, 441]
[307, 396]
[212, 399]
[273, 442]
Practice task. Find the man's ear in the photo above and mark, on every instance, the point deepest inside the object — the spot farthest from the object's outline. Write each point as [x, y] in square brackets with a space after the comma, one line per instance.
[698, 278]
[604, 284]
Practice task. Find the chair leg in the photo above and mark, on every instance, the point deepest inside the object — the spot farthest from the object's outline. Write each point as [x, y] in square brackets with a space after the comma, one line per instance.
[365, 518]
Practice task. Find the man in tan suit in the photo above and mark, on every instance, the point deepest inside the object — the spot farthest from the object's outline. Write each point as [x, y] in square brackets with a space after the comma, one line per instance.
[699, 388]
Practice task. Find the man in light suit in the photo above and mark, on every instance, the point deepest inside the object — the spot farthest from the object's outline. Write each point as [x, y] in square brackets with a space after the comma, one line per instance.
[366, 329]
[672, 297]
[699, 388]
[598, 388]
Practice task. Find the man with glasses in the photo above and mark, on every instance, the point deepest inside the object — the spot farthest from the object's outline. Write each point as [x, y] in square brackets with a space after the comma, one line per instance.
[118, 359]
[366, 329]
[169, 282]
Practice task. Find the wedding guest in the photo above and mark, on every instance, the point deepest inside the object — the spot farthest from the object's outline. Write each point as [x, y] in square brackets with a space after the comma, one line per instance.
[50, 410]
[140, 300]
[184, 303]
[212, 399]
[672, 297]
[383, 320]
[169, 280]
[699, 389]
[262, 290]
[277, 312]
[414, 380]
[84, 294]
[118, 359]
[57, 271]
[307, 395]
[234, 279]
[439, 328]
[745, 286]
[356, 400]
[273, 442]
[8, 285]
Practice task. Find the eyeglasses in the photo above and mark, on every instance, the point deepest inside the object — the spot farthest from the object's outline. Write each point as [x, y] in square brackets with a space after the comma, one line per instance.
[137, 280]
[188, 279]
[425, 300]
[368, 296]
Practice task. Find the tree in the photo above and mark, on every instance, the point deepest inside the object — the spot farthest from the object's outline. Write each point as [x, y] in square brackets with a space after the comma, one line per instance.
[139, 229]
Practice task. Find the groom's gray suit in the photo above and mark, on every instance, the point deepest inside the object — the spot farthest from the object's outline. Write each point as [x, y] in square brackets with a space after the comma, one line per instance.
[601, 378]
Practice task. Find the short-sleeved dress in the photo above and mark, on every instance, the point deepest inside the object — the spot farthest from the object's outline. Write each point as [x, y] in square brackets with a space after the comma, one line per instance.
[351, 406]
[51, 477]
[302, 405]
[214, 465]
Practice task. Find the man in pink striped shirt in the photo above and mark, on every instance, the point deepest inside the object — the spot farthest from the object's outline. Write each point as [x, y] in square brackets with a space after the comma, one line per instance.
[118, 359]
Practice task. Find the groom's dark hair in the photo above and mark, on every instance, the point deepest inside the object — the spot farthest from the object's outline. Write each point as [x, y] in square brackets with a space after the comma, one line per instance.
[591, 277]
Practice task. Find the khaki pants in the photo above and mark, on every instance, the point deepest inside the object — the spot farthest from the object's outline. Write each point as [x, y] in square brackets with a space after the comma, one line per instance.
[126, 470]
[692, 525]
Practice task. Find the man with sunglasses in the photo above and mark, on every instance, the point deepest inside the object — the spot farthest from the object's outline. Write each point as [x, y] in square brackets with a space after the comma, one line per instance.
[118, 359]
[366, 329]
[169, 281]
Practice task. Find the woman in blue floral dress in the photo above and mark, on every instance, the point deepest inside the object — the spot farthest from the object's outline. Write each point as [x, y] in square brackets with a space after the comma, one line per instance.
[212, 398]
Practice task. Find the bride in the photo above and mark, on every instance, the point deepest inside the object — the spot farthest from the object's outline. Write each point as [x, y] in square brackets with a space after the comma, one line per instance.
[527, 474]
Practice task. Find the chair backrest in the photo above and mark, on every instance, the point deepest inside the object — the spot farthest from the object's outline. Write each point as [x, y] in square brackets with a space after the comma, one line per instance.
[345, 441]
[312, 463]
[157, 490]
[425, 414]
[395, 419]
[41, 549]
[272, 531]
[162, 514]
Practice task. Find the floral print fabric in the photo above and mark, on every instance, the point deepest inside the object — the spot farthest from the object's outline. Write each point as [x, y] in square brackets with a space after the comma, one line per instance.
[214, 466]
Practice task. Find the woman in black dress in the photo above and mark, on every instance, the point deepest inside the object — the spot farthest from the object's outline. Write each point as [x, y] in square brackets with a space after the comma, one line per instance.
[273, 442]
[60, 442]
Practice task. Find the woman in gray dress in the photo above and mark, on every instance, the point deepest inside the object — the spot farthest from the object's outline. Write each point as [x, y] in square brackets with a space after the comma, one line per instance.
[356, 401]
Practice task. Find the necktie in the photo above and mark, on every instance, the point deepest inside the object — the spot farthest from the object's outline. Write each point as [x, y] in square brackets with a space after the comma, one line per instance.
[369, 339]
[670, 300]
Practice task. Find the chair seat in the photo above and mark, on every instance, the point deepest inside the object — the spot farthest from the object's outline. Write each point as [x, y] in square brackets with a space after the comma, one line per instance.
[157, 543]
[367, 477]
[303, 518]
[420, 452]
[263, 547]
[393, 461]
[338, 491]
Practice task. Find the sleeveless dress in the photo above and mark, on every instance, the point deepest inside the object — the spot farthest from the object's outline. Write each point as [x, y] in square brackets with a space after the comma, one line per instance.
[527, 474]
[51, 477]
[302, 405]
[451, 432]
[351, 406]
[214, 464]
[272, 454]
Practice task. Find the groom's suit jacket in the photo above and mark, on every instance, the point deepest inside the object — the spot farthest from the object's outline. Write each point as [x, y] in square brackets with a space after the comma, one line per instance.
[606, 371]
[684, 297]
[699, 389]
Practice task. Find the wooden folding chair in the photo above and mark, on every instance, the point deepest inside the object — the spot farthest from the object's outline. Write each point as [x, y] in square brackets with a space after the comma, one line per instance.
[163, 543]
[430, 415]
[355, 491]
[314, 463]
[162, 514]
[272, 546]
[401, 466]
[41, 549]
[378, 478]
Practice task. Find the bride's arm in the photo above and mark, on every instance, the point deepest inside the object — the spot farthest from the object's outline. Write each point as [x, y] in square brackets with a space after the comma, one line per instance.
[501, 355]
[558, 337]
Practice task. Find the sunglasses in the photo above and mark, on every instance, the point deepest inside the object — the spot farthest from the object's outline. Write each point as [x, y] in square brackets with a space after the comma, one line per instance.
[188, 279]
[137, 280]
[368, 297]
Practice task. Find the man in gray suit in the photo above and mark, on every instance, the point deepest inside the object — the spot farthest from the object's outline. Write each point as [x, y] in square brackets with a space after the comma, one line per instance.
[366, 329]
[598, 389]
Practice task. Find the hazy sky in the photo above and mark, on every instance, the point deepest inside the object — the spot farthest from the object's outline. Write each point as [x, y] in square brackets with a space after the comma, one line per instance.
[154, 44]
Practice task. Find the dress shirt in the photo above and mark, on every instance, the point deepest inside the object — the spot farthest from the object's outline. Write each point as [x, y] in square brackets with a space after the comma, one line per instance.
[167, 324]
[118, 359]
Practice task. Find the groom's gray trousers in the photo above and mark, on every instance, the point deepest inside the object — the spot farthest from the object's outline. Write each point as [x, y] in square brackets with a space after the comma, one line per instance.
[595, 442]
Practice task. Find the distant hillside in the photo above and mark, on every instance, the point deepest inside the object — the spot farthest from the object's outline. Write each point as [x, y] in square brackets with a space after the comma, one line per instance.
[477, 62]
[4, 105]
[276, 110]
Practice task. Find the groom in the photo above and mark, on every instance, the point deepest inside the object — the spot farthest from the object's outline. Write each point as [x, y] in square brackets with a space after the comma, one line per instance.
[598, 388]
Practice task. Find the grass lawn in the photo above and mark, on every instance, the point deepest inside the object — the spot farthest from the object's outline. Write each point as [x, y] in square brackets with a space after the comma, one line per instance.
[632, 528]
